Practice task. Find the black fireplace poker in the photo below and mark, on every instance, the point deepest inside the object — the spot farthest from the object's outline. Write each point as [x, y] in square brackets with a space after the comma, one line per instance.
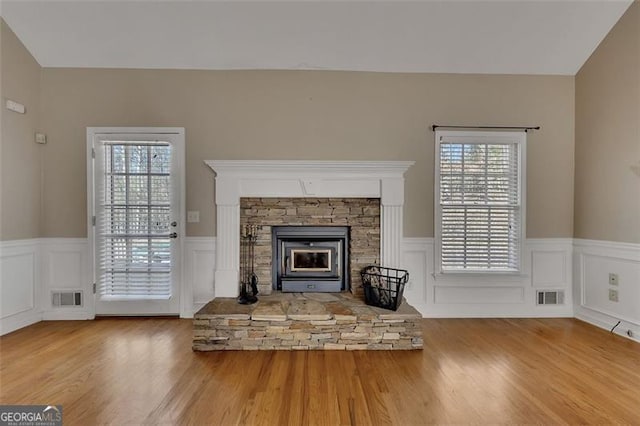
[248, 277]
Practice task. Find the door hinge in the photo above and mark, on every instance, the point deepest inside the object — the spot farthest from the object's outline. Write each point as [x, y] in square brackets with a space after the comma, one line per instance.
[93, 220]
[93, 153]
[94, 288]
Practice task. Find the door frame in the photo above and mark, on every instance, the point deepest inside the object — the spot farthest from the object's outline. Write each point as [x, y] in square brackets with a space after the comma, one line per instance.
[183, 294]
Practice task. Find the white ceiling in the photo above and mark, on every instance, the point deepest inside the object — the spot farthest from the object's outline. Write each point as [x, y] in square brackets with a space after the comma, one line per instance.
[504, 37]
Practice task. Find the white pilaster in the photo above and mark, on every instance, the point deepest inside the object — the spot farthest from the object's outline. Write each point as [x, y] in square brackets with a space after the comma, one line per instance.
[391, 232]
[391, 236]
[227, 251]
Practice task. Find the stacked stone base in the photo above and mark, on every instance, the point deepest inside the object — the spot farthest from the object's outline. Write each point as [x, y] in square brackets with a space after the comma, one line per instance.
[305, 321]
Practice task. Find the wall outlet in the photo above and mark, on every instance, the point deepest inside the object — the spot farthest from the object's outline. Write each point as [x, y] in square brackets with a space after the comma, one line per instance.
[193, 216]
[613, 295]
[613, 278]
[41, 138]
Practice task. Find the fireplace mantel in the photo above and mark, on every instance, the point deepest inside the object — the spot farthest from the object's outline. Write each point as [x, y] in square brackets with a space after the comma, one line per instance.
[317, 179]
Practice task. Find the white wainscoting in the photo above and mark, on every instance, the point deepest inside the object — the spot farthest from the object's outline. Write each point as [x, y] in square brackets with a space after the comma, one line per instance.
[31, 269]
[66, 266]
[199, 267]
[20, 284]
[546, 265]
[593, 261]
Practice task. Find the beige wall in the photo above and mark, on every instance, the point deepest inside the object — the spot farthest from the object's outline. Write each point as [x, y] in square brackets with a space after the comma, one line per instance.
[607, 178]
[20, 156]
[306, 115]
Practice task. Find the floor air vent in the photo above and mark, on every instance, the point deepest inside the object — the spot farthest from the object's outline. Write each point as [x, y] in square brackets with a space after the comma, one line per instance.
[551, 297]
[66, 298]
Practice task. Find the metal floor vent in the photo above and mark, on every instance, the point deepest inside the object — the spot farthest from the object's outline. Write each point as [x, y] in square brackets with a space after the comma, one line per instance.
[66, 298]
[550, 297]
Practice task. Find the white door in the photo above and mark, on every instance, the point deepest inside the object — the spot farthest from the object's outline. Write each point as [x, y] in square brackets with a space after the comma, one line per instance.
[136, 219]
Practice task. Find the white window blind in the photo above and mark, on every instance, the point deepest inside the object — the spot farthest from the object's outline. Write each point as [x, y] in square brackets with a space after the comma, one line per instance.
[133, 219]
[479, 201]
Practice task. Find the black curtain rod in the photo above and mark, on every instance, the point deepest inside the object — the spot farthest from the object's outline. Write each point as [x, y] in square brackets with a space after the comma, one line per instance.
[525, 128]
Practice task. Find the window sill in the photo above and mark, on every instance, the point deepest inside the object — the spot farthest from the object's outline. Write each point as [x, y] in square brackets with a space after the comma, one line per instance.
[480, 276]
[132, 298]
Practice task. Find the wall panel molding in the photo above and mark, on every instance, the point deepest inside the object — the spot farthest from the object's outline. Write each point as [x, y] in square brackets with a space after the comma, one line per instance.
[547, 264]
[593, 261]
[66, 267]
[20, 284]
[199, 267]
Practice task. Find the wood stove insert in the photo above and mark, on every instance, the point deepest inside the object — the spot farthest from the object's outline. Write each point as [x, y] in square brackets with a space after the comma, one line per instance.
[310, 258]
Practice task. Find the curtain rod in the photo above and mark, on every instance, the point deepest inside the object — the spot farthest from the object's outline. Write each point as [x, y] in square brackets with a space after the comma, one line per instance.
[525, 128]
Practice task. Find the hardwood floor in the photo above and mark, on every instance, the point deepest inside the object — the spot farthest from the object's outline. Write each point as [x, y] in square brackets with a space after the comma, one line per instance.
[142, 371]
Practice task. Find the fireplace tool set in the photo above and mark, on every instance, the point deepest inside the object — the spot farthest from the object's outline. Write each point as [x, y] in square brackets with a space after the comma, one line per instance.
[248, 277]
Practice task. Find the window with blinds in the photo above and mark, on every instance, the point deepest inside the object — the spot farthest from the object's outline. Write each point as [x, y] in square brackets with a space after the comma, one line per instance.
[133, 219]
[479, 194]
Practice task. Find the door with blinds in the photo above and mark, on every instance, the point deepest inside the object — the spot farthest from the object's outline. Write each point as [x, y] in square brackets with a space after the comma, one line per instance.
[137, 219]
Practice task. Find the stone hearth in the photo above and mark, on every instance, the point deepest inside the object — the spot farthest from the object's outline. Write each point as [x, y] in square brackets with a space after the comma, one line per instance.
[305, 321]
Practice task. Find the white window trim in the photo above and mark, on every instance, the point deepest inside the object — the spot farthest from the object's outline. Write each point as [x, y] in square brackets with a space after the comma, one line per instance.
[494, 137]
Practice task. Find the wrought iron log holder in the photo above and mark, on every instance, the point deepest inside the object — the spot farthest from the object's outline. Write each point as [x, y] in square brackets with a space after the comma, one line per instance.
[248, 277]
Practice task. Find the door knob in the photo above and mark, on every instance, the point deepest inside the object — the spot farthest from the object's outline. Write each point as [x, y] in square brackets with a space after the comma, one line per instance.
[173, 235]
[174, 223]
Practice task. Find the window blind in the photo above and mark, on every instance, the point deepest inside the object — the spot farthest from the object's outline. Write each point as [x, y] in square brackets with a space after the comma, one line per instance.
[480, 210]
[133, 219]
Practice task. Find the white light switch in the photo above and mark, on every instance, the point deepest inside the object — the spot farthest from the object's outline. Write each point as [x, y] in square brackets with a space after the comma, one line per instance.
[193, 216]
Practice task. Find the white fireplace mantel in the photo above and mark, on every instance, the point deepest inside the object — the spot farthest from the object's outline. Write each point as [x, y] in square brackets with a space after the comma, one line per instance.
[289, 179]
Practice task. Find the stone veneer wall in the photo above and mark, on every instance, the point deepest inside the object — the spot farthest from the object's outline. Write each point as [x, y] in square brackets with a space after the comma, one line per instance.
[362, 215]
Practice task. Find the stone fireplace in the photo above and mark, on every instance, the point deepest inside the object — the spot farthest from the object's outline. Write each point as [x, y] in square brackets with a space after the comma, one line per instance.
[365, 198]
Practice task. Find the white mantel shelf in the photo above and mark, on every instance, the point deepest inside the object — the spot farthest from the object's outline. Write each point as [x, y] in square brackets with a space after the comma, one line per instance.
[302, 178]
[307, 167]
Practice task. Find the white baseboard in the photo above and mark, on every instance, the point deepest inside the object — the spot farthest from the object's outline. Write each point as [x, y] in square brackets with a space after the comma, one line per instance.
[13, 323]
[67, 314]
[608, 323]
[197, 307]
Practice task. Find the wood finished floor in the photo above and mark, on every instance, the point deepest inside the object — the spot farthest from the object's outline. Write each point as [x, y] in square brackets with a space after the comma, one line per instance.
[142, 371]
